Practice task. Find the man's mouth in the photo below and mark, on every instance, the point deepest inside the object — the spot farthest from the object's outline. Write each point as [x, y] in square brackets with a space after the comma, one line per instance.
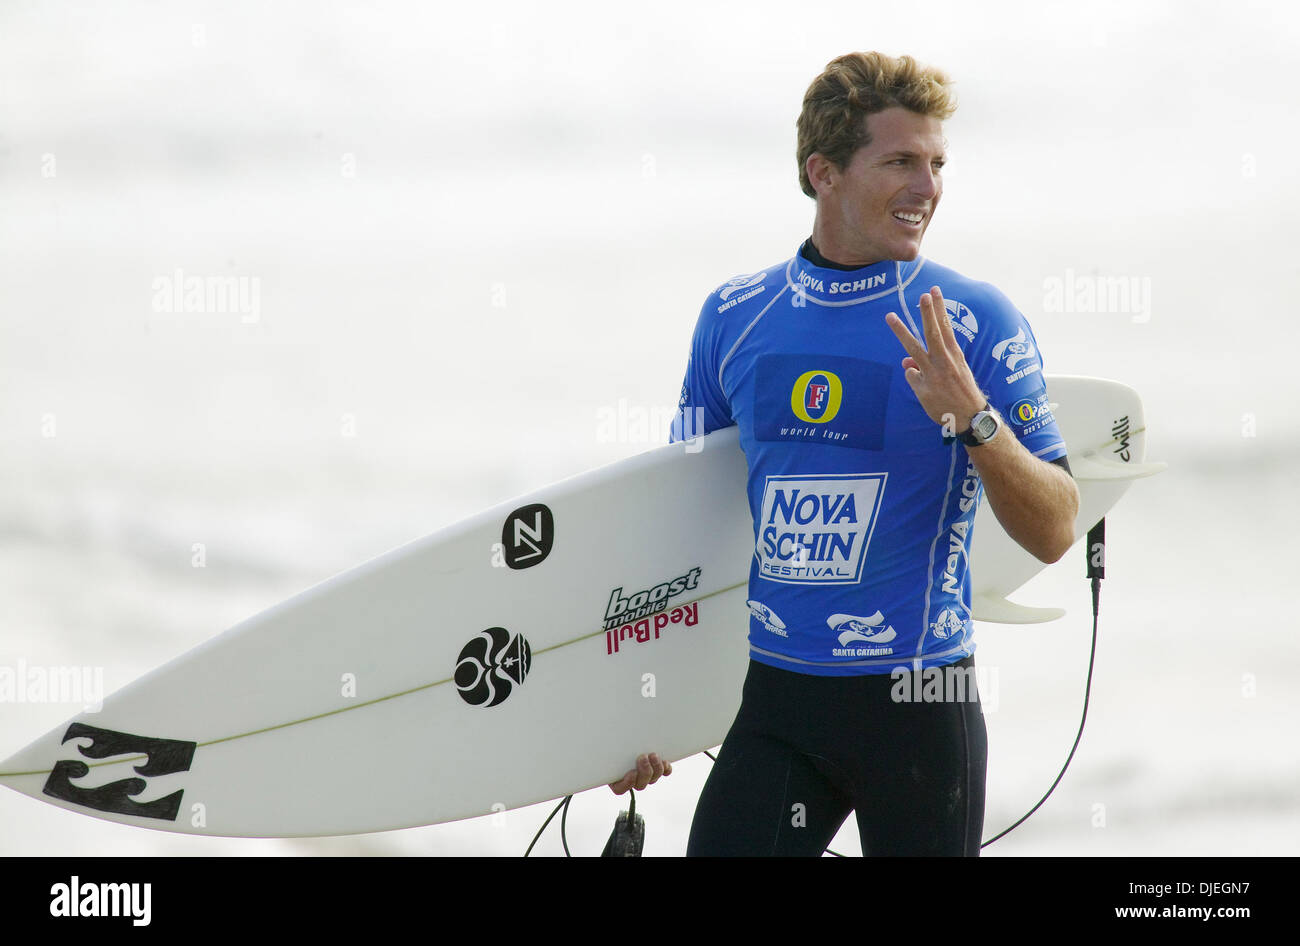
[912, 218]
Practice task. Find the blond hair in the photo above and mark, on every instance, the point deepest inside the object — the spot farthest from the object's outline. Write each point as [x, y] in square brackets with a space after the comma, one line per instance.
[836, 105]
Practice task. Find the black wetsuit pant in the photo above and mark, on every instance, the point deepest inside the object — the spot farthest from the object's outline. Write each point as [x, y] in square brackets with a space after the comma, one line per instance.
[806, 750]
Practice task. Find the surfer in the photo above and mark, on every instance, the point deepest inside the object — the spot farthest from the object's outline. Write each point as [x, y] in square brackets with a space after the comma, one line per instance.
[865, 472]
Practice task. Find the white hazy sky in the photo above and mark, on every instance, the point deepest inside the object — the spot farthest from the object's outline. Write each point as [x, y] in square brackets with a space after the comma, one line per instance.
[473, 227]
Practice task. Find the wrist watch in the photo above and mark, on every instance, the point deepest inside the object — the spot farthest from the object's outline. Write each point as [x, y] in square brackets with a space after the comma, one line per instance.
[984, 427]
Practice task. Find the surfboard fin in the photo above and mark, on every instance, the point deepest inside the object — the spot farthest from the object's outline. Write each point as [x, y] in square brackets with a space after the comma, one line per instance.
[1002, 611]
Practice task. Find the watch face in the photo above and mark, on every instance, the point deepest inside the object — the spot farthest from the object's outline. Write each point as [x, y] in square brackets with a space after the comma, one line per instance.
[986, 427]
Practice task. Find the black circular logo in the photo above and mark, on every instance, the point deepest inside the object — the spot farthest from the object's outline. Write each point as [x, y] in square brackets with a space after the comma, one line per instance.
[491, 665]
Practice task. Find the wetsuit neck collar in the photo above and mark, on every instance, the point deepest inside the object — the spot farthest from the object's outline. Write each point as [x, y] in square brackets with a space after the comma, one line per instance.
[830, 283]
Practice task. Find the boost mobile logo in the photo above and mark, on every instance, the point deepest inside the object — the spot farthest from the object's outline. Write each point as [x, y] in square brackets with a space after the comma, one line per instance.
[527, 535]
[816, 397]
[163, 757]
[620, 610]
[491, 665]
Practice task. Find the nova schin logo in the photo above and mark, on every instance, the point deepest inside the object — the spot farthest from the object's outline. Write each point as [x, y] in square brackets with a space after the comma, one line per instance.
[527, 535]
[491, 666]
[816, 529]
[162, 757]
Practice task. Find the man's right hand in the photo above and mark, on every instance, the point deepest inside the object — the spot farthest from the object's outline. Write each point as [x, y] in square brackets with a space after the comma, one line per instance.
[649, 769]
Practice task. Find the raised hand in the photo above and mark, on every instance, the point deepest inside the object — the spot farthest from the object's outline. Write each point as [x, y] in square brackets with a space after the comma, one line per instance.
[937, 370]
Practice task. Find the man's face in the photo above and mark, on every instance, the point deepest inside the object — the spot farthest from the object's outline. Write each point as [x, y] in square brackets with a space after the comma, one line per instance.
[881, 203]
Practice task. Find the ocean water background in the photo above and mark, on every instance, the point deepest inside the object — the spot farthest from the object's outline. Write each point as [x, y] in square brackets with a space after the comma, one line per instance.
[472, 232]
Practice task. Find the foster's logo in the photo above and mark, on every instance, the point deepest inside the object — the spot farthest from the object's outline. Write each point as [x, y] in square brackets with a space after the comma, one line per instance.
[816, 397]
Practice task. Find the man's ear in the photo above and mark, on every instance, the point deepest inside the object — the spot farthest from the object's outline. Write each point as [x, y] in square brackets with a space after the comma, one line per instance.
[821, 173]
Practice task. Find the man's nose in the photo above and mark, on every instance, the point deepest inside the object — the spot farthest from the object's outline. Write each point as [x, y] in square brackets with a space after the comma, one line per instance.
[926, 183]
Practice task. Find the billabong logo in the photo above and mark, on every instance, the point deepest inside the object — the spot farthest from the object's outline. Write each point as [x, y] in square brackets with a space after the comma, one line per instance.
[853, 628]
[1014, 350]
[527, 535]
[816, 397]
[162, 757]
[491, 665]
[947, 624]
[962, 319]
[767, 617]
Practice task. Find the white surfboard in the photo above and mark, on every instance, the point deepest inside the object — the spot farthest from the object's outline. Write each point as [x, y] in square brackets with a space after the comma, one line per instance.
[475, 670]
[1105, 433]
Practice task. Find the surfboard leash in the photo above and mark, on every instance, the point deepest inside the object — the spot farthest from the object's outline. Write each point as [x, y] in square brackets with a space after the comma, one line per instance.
[626, 840]
[628, 836]
[564, 803]
[1096, 549]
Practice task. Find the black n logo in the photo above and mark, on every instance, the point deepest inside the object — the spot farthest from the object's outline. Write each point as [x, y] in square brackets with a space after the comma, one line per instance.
[527, 535]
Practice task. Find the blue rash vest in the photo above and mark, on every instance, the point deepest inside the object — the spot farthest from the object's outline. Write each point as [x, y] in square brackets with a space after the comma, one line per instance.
[862, 511]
